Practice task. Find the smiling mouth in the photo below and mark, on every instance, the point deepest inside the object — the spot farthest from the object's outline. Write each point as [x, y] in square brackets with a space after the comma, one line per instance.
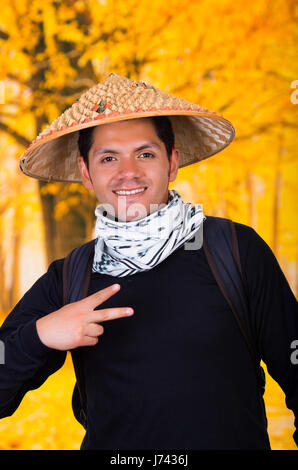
[130, 192]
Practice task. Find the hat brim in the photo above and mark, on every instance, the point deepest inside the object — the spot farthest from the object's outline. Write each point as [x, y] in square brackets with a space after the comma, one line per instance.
[198, 135]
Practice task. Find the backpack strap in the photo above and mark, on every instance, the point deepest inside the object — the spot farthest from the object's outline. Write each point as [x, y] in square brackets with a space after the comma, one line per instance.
[76, 272]
[221, 248]
[77, 268]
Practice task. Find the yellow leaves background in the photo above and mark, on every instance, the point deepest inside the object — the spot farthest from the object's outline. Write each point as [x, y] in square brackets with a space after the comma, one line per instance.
[236, 58]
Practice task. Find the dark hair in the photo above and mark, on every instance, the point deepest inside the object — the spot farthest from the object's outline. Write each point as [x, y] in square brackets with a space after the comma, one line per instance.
[163, 128]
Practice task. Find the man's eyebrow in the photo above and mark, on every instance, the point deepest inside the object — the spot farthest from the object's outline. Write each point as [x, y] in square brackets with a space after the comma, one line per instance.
[148, 145]
[103, 150]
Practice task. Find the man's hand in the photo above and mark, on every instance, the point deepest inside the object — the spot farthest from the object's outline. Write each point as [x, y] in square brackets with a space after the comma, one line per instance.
[76, 324]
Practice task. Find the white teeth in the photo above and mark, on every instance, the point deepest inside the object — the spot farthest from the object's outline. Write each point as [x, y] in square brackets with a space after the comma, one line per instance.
[131, 192]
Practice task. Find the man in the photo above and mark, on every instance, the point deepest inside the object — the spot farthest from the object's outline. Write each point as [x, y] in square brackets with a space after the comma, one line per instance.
[165, 365]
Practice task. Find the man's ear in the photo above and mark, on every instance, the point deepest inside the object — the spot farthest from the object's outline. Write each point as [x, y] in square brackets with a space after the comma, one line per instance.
[87, 182]
[174, 165]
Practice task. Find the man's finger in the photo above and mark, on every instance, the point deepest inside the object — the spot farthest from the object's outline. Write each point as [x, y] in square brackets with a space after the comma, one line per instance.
[93, 329]
[100, 296]
[106, 314]
[89, 341]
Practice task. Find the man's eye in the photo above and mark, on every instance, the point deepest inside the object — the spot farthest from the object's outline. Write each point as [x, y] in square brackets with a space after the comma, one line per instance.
[106, 158]
[147, 154]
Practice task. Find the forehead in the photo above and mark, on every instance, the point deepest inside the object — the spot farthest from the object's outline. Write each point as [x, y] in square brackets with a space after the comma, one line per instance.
[128, 128]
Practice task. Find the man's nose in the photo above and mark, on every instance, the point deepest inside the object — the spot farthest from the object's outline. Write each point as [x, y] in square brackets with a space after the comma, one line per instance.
[129, 167]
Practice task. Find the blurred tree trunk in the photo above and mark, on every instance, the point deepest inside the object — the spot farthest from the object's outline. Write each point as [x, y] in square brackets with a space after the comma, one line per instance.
[63, 234]
[71, 231]
[49, 226]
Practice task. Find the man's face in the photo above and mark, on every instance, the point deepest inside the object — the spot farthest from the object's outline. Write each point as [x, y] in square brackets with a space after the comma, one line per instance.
[128, 155]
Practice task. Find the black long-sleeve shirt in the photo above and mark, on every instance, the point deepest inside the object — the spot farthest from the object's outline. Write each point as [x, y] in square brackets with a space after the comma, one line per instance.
[177, 374]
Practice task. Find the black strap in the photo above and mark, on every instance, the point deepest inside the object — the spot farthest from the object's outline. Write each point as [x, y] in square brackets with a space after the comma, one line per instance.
[223, 289]
[65, 278]
[235, 247]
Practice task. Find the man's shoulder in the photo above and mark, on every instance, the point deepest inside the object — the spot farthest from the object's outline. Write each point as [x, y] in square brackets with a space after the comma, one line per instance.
[58, 263]
[244, 232]
[249, 240]
[211, 218]
[87, 246]
[55, 266]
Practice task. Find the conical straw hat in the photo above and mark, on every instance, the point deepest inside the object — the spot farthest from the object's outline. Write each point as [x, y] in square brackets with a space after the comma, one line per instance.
[199, 133]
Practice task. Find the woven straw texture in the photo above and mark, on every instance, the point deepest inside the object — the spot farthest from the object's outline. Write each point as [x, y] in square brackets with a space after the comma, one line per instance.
[199, 133]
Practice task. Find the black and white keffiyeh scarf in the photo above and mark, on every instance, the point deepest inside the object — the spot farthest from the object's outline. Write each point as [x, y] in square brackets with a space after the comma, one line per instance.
[125, 248]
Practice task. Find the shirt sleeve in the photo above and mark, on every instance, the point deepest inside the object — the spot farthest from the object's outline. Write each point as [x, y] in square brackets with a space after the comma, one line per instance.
[26, 362]
[274, 314]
